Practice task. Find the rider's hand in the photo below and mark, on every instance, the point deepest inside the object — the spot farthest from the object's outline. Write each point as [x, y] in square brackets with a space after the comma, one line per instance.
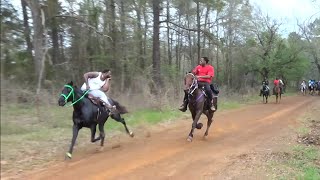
[88, 87]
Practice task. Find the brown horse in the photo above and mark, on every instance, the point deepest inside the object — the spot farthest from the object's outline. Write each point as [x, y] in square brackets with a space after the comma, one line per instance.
[277, 92]
[197, 104]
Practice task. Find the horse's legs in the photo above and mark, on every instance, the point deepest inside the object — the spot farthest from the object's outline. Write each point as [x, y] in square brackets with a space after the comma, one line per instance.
[194, 124]
[75, 131]
[102, 134]
[209, 116]
[93, 133]
[119, 119]
[266, 99]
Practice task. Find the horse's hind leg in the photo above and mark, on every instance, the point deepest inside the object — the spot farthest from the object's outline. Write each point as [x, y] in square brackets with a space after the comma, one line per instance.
[209, 116]
[102, 134]
[93, 133]
[75, 131]
[120, 119]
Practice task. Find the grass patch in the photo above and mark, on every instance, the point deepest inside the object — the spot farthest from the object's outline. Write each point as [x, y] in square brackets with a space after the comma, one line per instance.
[304, 160]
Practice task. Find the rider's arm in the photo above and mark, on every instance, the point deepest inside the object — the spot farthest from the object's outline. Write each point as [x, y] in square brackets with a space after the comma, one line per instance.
[209, 75]
[88, 75]
[106, 86]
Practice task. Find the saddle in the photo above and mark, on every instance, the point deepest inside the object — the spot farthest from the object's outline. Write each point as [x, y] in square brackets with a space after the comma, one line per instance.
[95, 100]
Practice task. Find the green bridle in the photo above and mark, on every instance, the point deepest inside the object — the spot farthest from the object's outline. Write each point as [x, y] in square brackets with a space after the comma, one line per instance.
[66, 97]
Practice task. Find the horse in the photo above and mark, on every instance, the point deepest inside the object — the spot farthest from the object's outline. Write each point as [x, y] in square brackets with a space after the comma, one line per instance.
[89, 115]
[303, 90]
[277, 92]
[265, 93]
[197, 104]
[311, 88]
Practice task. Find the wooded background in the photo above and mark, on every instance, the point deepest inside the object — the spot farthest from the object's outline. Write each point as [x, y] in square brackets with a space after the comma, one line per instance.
[150, 44]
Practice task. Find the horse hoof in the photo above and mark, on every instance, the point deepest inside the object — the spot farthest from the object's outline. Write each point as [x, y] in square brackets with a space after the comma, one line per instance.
[189, 139]
[131, 134]
[68, 155]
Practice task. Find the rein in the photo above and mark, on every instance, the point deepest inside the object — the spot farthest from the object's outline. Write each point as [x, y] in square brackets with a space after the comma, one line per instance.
[73, 95]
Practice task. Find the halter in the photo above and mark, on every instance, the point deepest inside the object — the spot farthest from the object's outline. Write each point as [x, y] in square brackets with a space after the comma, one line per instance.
[73, 95]
[194, 84]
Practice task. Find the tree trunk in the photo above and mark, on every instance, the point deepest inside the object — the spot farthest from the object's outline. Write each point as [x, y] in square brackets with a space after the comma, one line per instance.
[26, 27]
[156, 46]
[198, 29]
[53, 11]
[113, 34]
[124, 68]
[168, 35]
[38, 35]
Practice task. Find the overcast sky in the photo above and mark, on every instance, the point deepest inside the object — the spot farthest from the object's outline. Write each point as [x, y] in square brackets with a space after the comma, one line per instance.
[289, 11]
[285, 11]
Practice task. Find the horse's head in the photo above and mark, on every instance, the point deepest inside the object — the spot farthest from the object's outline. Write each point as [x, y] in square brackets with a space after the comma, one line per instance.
[190, 83]
[67, 94]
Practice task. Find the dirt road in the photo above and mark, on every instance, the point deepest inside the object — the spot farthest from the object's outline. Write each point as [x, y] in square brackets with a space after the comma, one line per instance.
[164, 153]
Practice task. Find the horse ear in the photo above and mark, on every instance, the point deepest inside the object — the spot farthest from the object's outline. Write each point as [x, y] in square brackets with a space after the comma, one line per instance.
[71, 83]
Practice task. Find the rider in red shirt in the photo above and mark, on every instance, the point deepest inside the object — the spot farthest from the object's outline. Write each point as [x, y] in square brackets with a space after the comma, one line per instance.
[204, 72]
[276, 82]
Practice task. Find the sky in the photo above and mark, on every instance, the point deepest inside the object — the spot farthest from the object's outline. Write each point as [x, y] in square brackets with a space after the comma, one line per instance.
[285, 11]
[288, 12]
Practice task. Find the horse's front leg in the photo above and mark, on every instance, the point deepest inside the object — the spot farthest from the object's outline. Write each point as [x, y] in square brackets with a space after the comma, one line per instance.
[93, 133]
[75, 131]
[194, 124]
[119, 119]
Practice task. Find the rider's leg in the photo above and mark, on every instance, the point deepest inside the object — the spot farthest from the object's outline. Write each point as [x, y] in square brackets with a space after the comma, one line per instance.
[183, 106]
[104, 98]
[209, 94]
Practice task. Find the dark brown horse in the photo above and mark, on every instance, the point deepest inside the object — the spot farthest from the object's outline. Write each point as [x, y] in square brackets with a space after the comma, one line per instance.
[197, 104]
[277, 92]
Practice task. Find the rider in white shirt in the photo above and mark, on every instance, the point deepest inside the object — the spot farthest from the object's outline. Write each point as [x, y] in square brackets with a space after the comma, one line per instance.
[98, 83]
[303, 85]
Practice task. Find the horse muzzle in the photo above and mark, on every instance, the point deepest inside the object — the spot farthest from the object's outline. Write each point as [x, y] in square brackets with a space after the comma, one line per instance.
[61, 101]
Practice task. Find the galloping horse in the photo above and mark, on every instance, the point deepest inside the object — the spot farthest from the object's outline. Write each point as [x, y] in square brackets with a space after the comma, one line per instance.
[311, 88]
[86, 114]
[303, 90]
[197, 104]
[277, 92]
[265, 93]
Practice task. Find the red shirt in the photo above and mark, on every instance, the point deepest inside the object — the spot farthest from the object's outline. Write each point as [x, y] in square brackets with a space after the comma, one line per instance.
[204, 71]
[276, 82]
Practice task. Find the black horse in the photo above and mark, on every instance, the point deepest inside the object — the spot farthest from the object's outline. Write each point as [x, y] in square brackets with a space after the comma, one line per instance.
[311, 88]
[265, 93]
[197, 104]
[86, 114]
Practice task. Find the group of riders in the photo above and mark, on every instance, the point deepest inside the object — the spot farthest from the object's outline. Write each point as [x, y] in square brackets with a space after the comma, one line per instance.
[98, 83]
[312, 84]
[278, 82]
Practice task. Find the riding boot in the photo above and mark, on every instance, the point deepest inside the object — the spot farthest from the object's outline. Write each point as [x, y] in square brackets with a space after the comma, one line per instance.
[211, 106]
[183, 106]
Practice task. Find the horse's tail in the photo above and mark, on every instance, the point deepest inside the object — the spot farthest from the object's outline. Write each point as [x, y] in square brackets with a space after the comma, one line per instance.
[121, 109]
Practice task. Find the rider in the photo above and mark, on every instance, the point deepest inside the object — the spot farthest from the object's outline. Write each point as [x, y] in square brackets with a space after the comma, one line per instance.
[98, 83]
[303, 86]
[276, 83]
[204, 73]
[265, 82]
[281, 86]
